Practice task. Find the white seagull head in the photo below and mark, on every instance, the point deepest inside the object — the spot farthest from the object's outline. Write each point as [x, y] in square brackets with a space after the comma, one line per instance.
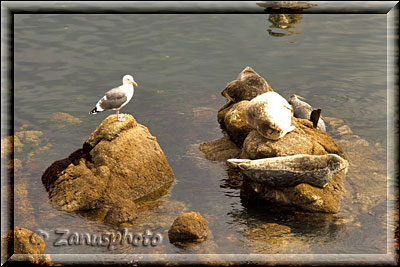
[128, 79]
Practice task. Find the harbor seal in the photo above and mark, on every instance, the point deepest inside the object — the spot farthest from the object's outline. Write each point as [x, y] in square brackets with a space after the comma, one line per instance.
[270, 114]
[304, 110]
[247, 85]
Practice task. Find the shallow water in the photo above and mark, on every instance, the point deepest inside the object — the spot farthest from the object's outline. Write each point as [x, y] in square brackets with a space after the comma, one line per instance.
[64, 63]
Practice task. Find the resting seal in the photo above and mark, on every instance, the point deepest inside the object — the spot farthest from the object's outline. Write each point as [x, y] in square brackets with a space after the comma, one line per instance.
[270, 114]
[303, 110]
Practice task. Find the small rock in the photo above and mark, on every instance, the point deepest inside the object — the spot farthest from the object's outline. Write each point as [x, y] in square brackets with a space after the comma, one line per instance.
[28, 247]
[65, 117]
[344, 130]
[220, 150]
[189, 227]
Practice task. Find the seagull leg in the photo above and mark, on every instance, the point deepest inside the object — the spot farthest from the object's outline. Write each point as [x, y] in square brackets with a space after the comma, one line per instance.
[120, 118]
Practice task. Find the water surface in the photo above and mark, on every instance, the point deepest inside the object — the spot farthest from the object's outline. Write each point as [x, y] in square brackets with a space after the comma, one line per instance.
[65, 63]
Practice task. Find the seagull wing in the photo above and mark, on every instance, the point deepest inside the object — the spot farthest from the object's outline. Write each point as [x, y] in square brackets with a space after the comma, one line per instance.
[113, 99]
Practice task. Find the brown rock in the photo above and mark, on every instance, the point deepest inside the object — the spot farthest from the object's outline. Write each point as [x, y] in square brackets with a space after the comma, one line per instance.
[28, 247]
[189, 227]
[274, 238]
[235, 122]
[303, 140]
[220, 150]
[120, 162]
[304, 196]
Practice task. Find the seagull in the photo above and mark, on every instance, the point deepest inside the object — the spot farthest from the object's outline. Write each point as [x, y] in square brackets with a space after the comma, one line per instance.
[116, 98]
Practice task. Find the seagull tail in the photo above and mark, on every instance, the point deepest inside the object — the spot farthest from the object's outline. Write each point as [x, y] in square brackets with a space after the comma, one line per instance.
[94, 111]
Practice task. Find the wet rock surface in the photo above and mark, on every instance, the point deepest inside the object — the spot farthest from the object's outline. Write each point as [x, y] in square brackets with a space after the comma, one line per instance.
[304, 139]
[119, 163]
[272, 238]
[189, 227]
[220, 149]
[236, 123]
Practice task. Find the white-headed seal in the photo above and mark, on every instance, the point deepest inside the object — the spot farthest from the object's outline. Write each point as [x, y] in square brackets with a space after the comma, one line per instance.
[303, 110]
[270, 114]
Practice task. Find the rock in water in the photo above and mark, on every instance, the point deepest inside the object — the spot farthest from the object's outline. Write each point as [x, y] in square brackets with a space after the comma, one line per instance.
[270, 114]
[304, 139]
[248, 85]
[26, 246]
[119, 163]
[303, 110]
[287, 171]
[189, 227]
[235, 122]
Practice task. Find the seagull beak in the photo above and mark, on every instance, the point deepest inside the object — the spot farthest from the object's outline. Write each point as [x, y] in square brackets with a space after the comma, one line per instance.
[134, 83]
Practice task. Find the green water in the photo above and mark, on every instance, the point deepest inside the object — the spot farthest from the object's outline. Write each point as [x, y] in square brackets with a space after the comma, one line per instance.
[65, 63]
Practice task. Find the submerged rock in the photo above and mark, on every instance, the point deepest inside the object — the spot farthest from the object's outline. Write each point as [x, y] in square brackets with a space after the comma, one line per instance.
[189, 227]
[270, 114]
[292, 170]
[119, 163]
[62, 119]
[274, 238]
[32, 137]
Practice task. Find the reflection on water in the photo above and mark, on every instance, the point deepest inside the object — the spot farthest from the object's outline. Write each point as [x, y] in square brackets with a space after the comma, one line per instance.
[285, 22]
[65, 62]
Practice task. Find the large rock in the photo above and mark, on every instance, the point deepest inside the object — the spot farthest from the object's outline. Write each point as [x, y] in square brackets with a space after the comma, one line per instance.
[189, 227]
[119, 163]
[304, 196]
[235, 122]
[304, 139]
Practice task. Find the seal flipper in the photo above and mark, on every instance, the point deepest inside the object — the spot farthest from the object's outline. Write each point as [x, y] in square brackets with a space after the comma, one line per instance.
[314, 117]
